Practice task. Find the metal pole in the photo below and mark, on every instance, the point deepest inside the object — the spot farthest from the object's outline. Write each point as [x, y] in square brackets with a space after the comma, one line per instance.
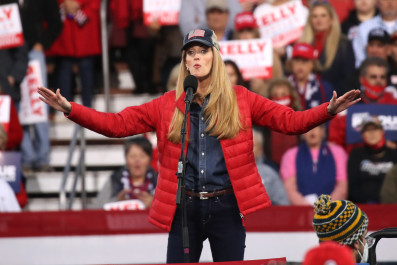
[105, 54]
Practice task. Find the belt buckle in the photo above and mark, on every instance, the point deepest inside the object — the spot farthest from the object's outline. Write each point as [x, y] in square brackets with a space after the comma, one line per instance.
[202, 195]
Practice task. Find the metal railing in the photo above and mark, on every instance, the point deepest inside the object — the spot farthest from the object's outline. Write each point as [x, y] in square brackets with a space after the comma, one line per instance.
[79, 131]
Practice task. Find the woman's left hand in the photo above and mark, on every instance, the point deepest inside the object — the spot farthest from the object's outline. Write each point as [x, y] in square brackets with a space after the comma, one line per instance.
[337, 105]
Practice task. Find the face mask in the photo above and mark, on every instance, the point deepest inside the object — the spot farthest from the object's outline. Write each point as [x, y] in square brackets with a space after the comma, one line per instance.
[286, 101]
[372, 92]
[364, 256]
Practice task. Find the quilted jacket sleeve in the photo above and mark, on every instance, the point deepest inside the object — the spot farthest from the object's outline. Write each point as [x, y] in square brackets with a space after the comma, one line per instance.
[128, 122]
[265, 112]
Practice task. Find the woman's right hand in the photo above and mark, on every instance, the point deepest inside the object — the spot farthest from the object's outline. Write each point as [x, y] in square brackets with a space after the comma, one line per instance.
[55, 100]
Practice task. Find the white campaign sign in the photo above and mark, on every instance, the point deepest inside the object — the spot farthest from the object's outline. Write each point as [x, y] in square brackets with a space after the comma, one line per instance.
[283, 24]
[253, 57]
[5, 106]
[32, 109]
[11, 34]
[166, 11]
[124, 205]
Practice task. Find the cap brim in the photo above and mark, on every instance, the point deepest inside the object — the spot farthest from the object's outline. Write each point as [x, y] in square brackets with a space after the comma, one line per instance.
[206, 43]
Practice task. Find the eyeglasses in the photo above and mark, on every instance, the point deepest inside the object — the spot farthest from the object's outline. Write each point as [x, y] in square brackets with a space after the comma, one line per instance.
[370, 241]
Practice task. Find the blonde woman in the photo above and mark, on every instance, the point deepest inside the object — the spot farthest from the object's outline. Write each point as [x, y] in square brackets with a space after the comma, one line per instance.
[222, 182]
[335, 52]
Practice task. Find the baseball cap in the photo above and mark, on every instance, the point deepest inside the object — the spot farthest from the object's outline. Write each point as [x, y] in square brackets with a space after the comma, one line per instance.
[203, 36]
[245, 20]
[370, 120]
[380, 35]
[216, 4]
[329, 253]
[304, 50]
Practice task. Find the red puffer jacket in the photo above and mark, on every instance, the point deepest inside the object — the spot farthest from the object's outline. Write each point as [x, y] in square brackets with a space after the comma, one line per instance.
[79, 40]
[238, 152]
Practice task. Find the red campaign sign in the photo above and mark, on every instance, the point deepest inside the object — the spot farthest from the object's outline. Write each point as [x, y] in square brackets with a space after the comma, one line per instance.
[253, 57]
[11, 34]
[5, 107]
[283, 24]
[165, 11]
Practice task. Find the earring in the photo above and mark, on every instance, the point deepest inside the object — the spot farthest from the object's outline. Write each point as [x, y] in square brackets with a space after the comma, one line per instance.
[187, 69]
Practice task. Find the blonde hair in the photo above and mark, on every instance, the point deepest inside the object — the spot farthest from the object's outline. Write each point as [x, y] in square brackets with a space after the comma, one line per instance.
[334, 35]
[221, 113]
[3, 137]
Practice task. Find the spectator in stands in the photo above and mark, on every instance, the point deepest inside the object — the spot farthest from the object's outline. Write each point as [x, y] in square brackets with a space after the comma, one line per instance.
[388, 192]
[368, 165]
[35, 15]
[135, 180]
[234, 73]
[79, 43]
[304, 68]
[342, 8]
[387, 20]
[363, 11]
[314, 167]
[374, 89]
[393, 60]
[328, 253]
[270, 178]
[246, 28]
[14, 130]
[335, 53]
[378, 44]
[343, 222]
[221, 119]
[217, 15]
[193, 14]
[173, 78]
[281, 92]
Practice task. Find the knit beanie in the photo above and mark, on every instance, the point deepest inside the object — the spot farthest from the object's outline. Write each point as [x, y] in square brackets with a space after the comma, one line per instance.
[341, 221]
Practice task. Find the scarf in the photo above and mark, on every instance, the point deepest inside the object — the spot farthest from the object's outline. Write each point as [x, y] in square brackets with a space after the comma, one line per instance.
[147, 185]
[313, 94]
[315, 178]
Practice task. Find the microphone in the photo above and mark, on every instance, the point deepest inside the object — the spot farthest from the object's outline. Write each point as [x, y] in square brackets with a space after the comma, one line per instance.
[190, 85]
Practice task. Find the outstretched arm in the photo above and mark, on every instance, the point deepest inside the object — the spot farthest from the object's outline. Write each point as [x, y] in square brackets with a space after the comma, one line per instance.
[55, 100]
[348, 99]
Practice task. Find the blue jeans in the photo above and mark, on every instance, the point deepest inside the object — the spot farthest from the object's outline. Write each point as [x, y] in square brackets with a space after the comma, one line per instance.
[35, 143]
[218, 220]
[86, 73]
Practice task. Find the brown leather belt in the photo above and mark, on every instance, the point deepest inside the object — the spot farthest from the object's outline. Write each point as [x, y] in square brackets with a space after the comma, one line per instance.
[205, 195]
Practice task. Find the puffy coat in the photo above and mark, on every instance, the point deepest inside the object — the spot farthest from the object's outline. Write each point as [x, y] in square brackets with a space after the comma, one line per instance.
[79, 40]
[238, 152]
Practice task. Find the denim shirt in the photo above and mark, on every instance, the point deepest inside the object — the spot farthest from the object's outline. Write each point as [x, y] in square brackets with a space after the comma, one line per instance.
[206, 169]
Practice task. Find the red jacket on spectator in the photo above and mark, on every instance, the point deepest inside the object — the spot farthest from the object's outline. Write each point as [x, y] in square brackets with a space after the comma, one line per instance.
[80, 35]
[15, 132]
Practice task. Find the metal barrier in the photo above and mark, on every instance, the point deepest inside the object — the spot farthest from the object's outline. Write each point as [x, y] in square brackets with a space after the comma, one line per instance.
[80, 168]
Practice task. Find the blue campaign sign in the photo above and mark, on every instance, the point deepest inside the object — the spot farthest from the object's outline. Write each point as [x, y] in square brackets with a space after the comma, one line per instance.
[10, 169]
[387, 114]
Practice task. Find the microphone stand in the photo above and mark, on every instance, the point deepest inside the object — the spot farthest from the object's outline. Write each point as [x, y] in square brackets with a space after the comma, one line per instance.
[180, 199]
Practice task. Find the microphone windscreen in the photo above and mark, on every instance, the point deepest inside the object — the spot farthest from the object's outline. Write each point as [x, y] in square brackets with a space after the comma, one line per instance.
[190, 81]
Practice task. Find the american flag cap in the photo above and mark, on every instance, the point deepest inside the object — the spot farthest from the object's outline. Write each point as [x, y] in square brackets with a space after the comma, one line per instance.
[204, 36]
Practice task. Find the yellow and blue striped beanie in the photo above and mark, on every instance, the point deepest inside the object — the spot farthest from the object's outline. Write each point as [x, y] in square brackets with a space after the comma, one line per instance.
[341, 221]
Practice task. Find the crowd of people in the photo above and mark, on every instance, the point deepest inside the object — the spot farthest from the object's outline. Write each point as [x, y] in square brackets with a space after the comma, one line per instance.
[343, 46]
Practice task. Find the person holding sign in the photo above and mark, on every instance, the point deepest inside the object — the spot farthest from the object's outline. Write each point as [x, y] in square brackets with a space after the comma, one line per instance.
[222, 182]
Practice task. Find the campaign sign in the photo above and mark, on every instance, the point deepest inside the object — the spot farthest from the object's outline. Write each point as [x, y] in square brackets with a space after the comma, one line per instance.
[11, 34]
[124, 205]
[32, 109]
[387, 114]
[10, 169]
[165, 11]
[253, 57]
[5, 107]
[283, 24]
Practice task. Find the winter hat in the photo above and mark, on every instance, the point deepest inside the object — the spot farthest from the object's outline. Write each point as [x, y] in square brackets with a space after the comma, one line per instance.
[341, 221]
[329, 253]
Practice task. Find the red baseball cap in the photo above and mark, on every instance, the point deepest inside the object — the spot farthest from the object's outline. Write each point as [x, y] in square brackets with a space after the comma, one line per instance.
[245, 20]
[329, 253]
[304, 50]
